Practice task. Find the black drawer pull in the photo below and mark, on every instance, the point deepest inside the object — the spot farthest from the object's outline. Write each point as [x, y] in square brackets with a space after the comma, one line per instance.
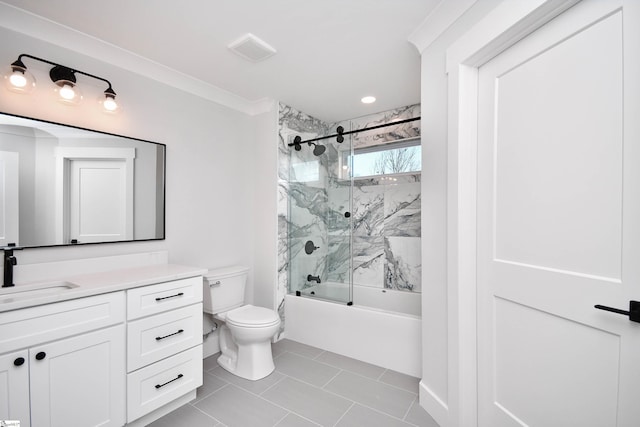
[41, 355]
[170, 296]
[170, 381]
[19, 361]
[170, 335]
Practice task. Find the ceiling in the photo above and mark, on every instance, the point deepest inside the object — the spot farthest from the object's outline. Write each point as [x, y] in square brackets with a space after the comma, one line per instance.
[330, 53]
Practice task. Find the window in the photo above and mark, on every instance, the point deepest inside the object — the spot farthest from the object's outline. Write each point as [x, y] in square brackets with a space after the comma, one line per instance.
[402, 156]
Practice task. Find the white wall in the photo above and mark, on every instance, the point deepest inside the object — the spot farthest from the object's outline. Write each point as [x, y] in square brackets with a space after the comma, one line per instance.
[209, 156]
[265, 207]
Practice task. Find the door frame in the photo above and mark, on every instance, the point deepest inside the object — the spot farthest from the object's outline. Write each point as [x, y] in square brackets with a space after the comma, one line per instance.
[507, 24]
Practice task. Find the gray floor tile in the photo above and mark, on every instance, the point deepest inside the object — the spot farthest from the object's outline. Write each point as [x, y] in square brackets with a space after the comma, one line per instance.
[256, 387]
[310, 402]
[235, 407]
[374, 394]
[293, 420]
[406, 382]
[419, 417]
[305, 369]
[185, 415]
[210, 362]
[295, 347]
[210, 383]
[359, 416]
[351, 365]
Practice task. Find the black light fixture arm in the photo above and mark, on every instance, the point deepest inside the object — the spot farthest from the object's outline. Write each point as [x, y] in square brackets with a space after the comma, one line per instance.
[26, 55]
[341, 132]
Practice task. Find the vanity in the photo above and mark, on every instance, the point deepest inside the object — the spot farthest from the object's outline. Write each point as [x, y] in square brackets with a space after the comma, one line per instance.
[109, 341]
[118, 347]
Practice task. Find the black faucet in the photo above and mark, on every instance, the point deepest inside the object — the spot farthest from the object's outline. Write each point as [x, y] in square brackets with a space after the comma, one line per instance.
[9, 261]
[315, 278]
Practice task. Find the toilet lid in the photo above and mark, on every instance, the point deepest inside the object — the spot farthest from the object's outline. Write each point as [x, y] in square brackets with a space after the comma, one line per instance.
[249, 315]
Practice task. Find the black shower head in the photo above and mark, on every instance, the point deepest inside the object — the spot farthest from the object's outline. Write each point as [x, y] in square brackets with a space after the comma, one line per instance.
[319, 150]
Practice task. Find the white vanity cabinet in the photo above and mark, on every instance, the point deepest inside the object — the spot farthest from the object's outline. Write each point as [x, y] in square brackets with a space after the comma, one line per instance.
[164, 344]
[14, 386]
[63, 364]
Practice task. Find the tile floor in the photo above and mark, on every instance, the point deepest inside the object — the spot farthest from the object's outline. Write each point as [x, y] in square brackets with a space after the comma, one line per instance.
[310, 387]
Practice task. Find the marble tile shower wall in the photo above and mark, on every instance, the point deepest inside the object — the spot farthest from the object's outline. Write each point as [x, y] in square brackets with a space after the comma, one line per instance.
[312, 199]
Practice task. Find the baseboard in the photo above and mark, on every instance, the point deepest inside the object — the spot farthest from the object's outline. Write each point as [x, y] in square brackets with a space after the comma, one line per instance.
[431, 403]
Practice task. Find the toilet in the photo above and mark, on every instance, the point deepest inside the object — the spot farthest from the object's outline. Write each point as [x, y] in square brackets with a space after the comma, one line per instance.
[245, 336]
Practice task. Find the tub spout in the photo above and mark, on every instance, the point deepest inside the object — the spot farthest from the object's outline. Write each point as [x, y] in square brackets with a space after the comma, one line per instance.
[311, 278]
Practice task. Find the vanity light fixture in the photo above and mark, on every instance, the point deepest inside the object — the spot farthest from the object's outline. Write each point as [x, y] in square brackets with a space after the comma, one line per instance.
[18, 79]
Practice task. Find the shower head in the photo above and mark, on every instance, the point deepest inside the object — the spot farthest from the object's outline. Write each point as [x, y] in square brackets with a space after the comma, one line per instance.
[319, 150]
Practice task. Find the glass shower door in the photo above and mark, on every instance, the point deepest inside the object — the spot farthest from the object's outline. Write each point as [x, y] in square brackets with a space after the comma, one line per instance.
[320, 221]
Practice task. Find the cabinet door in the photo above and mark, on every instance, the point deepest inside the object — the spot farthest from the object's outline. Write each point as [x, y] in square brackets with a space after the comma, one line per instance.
[14, 387]
[79, 381]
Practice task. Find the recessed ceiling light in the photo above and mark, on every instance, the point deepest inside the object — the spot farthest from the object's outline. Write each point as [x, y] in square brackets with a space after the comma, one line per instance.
[368, 100]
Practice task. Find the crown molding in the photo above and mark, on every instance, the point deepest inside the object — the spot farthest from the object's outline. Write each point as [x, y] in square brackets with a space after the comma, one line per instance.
[437, 22]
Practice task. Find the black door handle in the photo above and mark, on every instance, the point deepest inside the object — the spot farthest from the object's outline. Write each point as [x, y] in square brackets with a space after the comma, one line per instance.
[41, 355]
[19, 361]
[633, 313]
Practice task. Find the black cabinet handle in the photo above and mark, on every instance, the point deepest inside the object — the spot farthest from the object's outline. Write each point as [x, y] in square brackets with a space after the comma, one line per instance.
[41, 355]
[170, 335]
[170, 296]
[19, 361]
[170, 381]
[633, 313]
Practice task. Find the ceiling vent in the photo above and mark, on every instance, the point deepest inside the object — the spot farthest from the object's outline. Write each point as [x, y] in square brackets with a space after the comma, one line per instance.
[252, 48]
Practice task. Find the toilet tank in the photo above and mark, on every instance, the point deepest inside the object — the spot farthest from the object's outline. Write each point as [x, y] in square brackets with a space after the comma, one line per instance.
[224, 289]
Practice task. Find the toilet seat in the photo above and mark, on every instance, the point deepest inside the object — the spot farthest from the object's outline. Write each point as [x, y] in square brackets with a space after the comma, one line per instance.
[249, 316]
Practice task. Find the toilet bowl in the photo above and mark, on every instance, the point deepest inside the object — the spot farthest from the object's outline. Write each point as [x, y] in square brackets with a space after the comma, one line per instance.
[245, 341]
[246, 334]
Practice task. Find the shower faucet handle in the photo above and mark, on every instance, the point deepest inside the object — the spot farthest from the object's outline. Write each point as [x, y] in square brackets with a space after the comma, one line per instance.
[309, 247]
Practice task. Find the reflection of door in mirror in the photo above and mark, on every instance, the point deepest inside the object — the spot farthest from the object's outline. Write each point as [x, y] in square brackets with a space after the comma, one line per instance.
[97, 201]
[9, 198]
[95, 194]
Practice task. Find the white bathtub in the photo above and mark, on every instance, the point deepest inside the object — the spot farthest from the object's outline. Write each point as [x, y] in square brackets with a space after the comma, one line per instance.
[381, 337]
[401, 302]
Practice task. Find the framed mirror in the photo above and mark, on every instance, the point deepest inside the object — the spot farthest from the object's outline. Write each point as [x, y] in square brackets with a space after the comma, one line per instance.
[64, 185]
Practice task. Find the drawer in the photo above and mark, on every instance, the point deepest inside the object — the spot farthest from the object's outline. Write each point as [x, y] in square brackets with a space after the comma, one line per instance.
[36, 325]
[158, 384]
[148, 300]
[153, 338]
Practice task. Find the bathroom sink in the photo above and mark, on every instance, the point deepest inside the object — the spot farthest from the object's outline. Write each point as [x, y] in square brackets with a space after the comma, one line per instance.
[34, 290]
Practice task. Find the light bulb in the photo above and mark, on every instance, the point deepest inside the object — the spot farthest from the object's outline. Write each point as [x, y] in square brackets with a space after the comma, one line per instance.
[110, 104]
[368, 100]
[67, 92]
[18, 79]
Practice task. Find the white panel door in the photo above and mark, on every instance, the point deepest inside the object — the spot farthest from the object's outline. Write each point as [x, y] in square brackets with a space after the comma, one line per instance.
[9, 202]
[98, 203]
[559, 224]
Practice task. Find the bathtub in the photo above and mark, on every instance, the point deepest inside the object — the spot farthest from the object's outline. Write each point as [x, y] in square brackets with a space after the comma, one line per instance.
[368, 296]
[379, 336]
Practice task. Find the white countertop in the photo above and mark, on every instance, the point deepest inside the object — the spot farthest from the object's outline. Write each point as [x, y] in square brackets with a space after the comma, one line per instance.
[86, 285]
